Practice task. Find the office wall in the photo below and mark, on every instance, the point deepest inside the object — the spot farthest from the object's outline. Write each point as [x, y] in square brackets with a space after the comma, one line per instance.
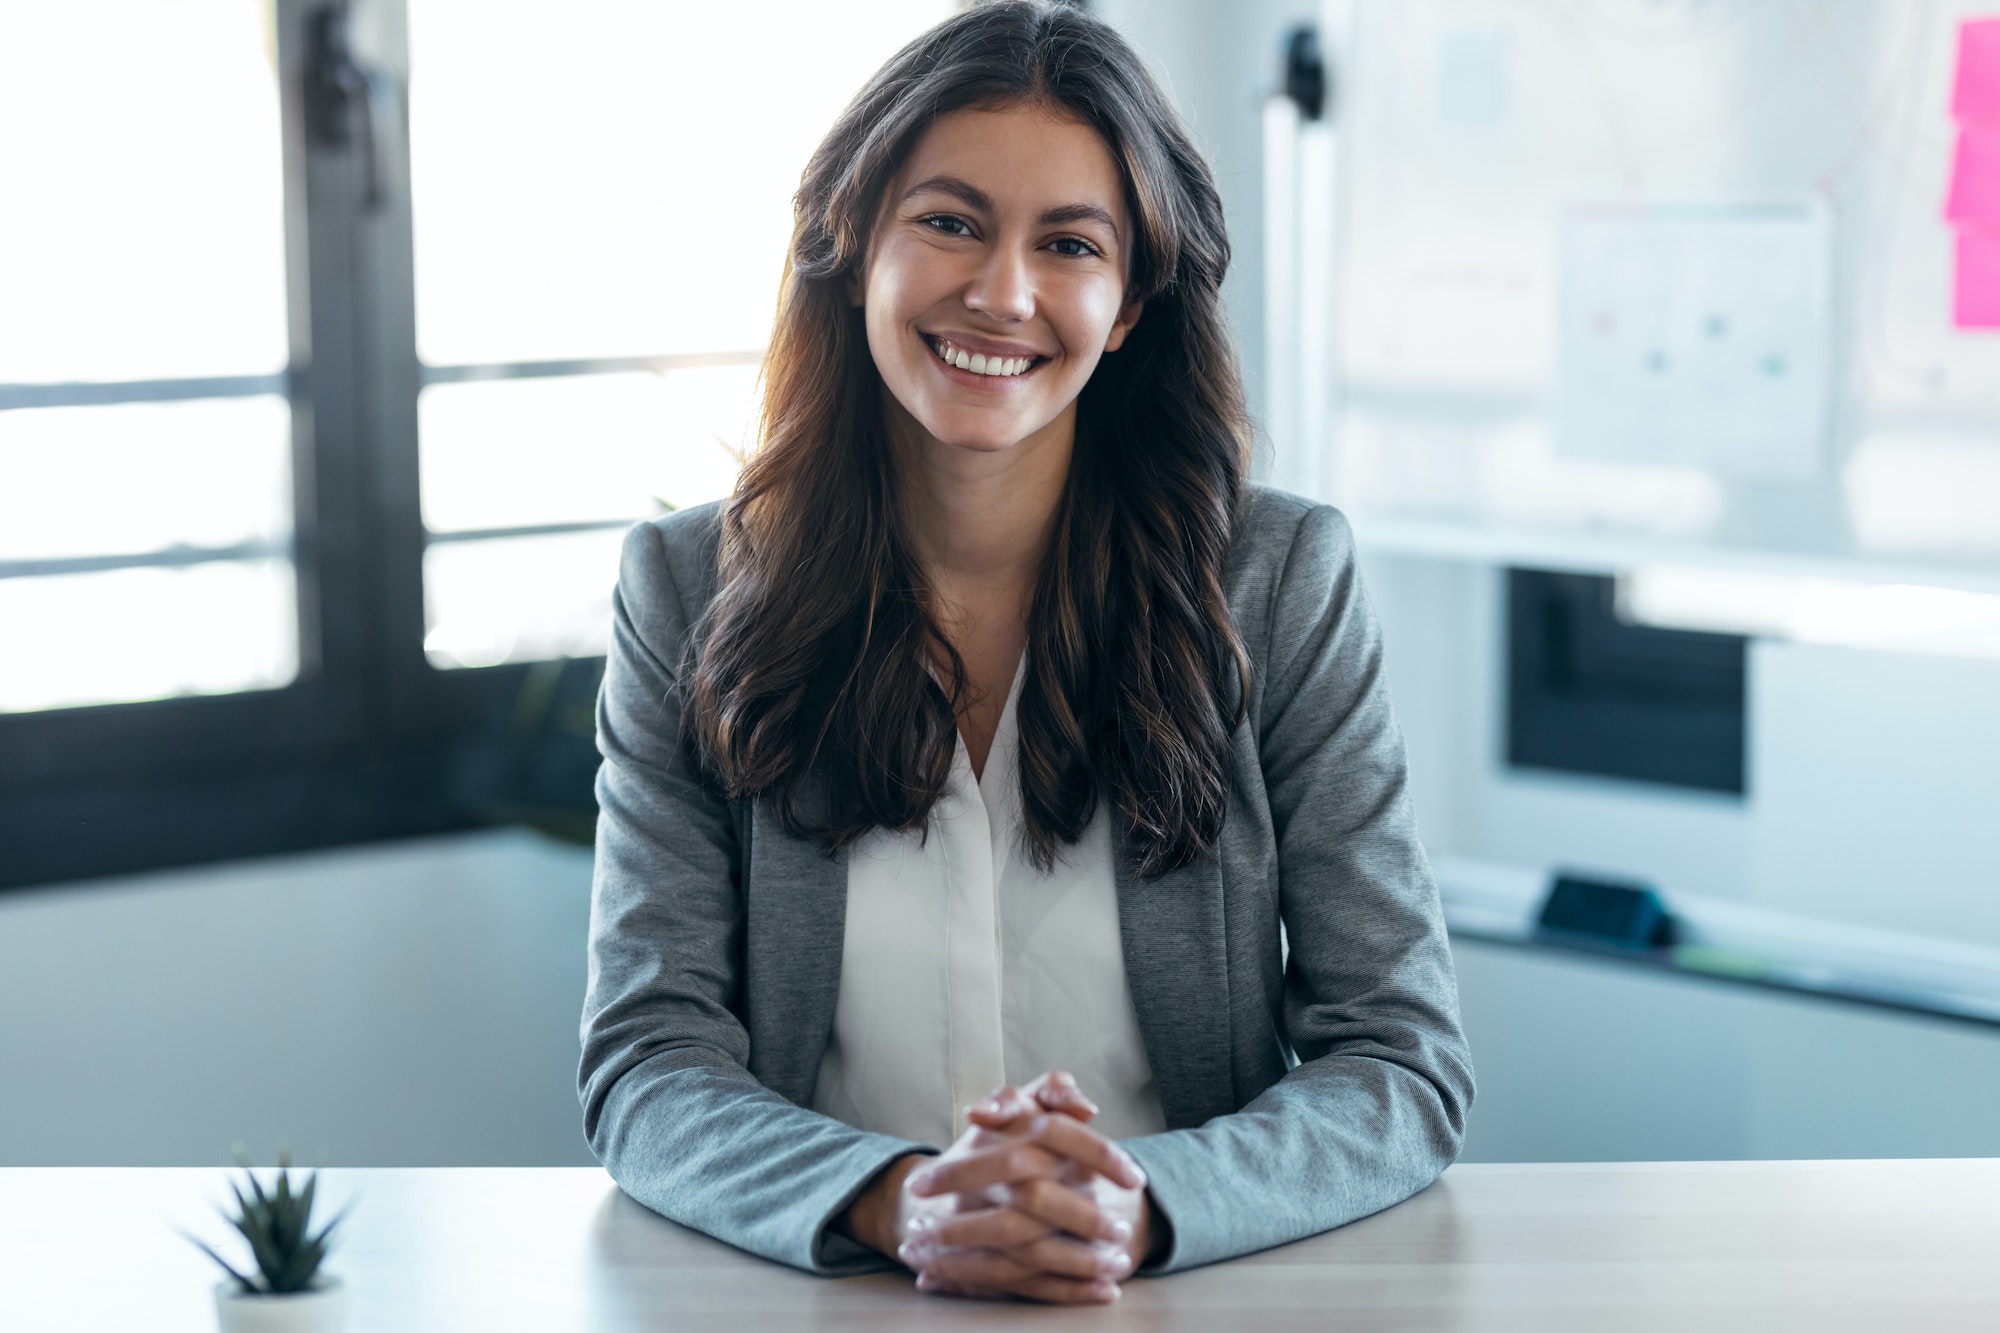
[400, 1004]
[416, 1003]
[1587, 1061]
[1219, 62]
[1872, 785]
[1873, 782]
[1873, 778]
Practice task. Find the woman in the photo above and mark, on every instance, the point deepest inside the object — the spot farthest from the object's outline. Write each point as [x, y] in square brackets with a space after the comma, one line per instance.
[990, 730]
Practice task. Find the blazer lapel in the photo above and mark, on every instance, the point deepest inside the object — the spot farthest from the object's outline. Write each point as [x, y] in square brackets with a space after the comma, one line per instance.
[1175, 944]
[795, 929]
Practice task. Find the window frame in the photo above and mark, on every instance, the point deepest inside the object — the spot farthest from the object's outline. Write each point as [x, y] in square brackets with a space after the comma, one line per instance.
[369, 741]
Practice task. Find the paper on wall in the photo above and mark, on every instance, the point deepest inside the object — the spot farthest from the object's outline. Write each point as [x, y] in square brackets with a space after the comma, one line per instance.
[1975, 93]
[1972, 204]
[1976, 289]
[1695, 337]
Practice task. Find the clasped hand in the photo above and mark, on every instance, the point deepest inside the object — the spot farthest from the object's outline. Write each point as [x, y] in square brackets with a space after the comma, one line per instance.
[1029, 1202]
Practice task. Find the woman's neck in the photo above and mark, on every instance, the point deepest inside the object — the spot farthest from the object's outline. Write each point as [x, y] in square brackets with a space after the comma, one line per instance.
[980, 520]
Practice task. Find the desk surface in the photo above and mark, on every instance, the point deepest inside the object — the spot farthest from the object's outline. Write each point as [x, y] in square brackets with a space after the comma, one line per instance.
[1698, 1245]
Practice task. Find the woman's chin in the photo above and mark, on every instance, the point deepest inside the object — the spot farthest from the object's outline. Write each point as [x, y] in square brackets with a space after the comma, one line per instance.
[979, 438]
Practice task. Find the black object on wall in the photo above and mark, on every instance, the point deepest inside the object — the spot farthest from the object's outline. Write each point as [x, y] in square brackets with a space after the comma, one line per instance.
[1584, 910]
[1590, 693]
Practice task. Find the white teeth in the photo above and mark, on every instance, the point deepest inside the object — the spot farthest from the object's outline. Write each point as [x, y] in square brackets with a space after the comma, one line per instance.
[980, 364]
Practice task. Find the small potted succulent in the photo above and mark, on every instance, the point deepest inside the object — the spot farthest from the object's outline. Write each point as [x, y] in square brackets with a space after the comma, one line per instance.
[288, 1293]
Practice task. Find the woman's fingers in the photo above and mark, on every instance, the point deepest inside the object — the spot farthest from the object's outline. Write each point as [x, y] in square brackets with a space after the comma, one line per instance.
[1063, 1256]
[1087, 1148]
[1049, 1291]
[1066, 1209]
[999, 1165]
[997, 1270]
[1053, 1091]
[1002, 1107]
[1047, 1141]
[1012, 1216]
[996, 1228]
[1057, 1091]
[930, 1282]
[1067, 1257]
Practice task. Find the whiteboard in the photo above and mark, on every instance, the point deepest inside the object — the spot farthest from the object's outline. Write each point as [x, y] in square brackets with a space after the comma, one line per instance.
[1483, 143]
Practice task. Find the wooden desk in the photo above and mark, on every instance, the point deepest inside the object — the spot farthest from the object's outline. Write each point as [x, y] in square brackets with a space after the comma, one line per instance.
[1706, 1246]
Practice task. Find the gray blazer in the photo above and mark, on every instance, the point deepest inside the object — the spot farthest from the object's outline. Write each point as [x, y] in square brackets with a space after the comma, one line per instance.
[1300, 1093]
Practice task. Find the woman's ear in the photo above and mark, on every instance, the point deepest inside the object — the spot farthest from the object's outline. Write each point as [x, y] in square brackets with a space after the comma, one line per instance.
[1126, 319]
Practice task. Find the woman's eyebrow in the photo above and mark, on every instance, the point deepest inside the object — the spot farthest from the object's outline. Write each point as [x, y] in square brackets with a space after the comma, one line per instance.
[1055, 217]
[974, 197]
[963, 190]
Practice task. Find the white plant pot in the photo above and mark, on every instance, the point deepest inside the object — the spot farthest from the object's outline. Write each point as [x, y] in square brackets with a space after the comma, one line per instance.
[320, 1310]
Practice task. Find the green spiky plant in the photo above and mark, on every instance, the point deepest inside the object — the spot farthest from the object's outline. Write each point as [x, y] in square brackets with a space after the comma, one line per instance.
[277, 1223]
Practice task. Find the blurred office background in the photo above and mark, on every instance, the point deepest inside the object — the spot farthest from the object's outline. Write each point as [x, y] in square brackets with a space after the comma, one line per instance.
[1652, 346]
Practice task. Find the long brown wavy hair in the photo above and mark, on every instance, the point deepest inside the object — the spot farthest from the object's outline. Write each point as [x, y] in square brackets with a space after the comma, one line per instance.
[809, 679]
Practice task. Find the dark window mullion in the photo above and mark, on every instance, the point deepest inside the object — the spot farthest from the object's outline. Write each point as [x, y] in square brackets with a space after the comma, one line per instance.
[389, 380]
[355, 295]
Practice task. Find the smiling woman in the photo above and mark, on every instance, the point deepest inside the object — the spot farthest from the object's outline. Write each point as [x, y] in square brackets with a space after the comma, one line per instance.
[1005, 260]
[963, 768]
[991, 289]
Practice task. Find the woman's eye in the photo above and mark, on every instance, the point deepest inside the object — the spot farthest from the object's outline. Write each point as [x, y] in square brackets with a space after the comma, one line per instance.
[1083, 248]
[945, 223]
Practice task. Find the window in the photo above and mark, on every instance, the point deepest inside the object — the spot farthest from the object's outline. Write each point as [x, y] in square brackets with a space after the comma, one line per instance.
[338, 346]
[145, 425]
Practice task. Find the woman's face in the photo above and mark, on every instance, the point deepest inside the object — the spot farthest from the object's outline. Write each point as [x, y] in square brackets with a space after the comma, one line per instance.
[1002, 245]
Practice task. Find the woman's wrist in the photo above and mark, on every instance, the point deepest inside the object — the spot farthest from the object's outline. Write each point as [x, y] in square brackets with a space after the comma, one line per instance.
[875, 1217]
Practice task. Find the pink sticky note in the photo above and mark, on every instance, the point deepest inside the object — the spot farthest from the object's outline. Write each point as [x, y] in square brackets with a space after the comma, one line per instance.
[1976, 288]
[1975, 177]
[1975, 93]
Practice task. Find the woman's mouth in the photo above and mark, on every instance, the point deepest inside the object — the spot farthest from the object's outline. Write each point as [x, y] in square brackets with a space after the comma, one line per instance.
[975, 363]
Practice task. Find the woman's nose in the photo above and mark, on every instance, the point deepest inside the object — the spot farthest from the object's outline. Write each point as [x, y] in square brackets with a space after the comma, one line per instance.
[1003, 287]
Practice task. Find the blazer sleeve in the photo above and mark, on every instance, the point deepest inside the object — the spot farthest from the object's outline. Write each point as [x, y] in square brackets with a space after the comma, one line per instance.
[669, 1104]
[1376, 1108]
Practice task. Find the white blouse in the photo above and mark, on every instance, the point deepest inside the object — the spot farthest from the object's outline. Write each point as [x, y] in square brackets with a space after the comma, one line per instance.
[964, 968]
